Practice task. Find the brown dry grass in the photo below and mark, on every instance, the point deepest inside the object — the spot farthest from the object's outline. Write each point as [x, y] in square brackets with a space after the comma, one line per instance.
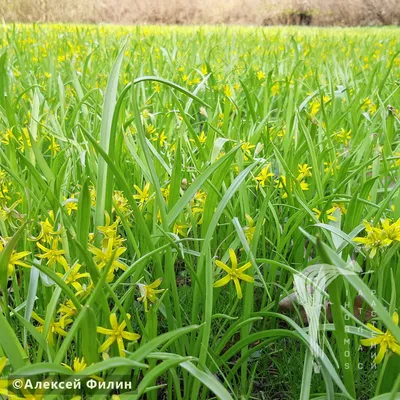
[257, 12]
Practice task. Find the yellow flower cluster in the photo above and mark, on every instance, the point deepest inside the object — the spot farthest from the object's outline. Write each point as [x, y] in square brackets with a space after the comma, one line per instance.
[110, 250]
[380, 236]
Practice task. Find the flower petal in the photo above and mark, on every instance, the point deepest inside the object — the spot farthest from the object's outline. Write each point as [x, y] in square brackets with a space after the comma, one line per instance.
[375, 329]
[244, 267]
[18, 256]
[155, 284]
[246, 278]
[233, 258]
[104, 331]
[222, 282]
[121, 347]
[133, 337]
[222, 266]
[113, 321]
[238, 288]
[372, 341]
[395, 348]
[22, 264]
[107, 344]
[381, 354]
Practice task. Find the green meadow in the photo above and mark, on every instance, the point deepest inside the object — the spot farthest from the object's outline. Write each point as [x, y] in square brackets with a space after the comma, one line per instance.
[201, 212]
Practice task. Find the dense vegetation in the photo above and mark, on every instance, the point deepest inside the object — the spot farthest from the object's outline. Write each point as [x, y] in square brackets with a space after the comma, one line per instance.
[205, 211]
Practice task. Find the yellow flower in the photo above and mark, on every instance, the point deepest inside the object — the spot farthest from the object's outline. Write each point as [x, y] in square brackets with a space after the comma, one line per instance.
[318, 213]
[281, 184]
[341, 206]
[200, 196]
[161, 138]
[397, 162]
[234, 274]
[109, 230]
[67, 311]
[148, 292]
[103, 256]
[304, 171]
[54, 147]
[330, 167]
[227, 91]
[264, 175]
[55, 327]
[157, 87]
[314, 107]
[373, 109]
[8, 213]
[375, 240]
[249, 229]
[246, 146]
[202, 138]
[116, 333]
[120, 202]
[24, 140]
[198, 205]
[385, 340]
[70, 205]
[53, 255]
[47, 229]
[275, 89]
[180, 229]
[93, 196]
[78, 365]
[165, 193]
[194, 81]
[74, 276]
[260, 75]
[151, 130]
[172, 148]
[303, 186]
[7, 136]
[146, 113]
[15, 259]
[143, 195]
[391, 231]
[330, 212]
[343, 136]
[86, 290]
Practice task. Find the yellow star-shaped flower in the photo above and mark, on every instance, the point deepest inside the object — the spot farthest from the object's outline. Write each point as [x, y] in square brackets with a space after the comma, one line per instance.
[234, 274]
[116, 333]
[148, 292]
[385, 340]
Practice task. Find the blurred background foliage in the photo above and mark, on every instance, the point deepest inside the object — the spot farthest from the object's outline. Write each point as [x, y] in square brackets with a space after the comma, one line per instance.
[253, 12]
